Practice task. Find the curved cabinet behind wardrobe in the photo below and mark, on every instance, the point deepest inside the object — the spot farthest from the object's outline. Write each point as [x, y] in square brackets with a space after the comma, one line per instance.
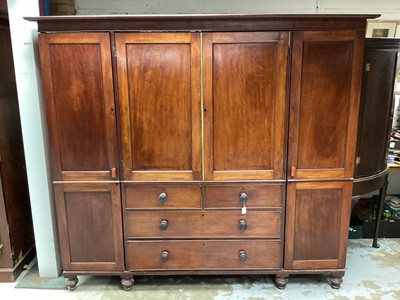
[375, 120]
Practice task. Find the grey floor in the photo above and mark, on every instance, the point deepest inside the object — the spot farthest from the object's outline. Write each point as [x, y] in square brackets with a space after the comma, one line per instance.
[370, 274]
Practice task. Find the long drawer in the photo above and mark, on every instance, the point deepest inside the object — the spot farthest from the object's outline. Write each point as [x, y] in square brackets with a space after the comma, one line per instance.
[202, 255]
[162, 196]
[229, 195]
[206, 224]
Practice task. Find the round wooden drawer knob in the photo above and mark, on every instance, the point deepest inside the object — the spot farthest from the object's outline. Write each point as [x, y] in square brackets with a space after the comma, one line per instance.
[243, 197]
[242, 225]
[164, 224]
[242, 255]
[162, 197]
[164, 256]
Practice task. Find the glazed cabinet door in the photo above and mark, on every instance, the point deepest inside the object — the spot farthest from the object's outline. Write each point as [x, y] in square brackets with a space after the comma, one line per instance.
[78, 86]
[324, 100]
[317, 222]
[159, 101]
[244, 104]
[90, 226]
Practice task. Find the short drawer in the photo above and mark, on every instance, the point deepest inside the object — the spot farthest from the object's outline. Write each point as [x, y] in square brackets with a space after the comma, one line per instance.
[203, 255]
[207, 224]
[258, 195]
[162, 196]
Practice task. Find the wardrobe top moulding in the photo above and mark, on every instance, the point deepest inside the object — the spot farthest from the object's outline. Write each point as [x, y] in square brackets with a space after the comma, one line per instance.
[203, 22]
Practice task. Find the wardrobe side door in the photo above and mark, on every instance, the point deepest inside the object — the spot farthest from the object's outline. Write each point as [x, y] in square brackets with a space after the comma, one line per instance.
[324, 102]
[317, 224]
[159, 105]
[79, 92]
[90, 226]
[244, 104]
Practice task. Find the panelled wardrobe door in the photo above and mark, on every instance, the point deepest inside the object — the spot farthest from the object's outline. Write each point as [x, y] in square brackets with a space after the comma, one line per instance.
[244, 104]
[317, 222]
[324, 100]
[90, 226]
[78, 87]
[159, 101]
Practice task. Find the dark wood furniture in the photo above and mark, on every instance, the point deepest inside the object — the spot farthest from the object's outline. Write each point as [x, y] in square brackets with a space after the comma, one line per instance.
[208, 144]
[375, 121]
[16, 232]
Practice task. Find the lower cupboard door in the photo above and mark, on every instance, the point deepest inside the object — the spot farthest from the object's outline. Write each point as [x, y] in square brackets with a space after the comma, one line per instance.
[317, 225]
[203, 255]
[90, 226]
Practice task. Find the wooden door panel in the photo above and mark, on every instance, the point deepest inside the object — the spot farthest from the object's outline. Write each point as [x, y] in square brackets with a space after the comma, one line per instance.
[159, 88]
[244, 104]
[317, 221]
[326, 75]
[90, 226]
[78, 86]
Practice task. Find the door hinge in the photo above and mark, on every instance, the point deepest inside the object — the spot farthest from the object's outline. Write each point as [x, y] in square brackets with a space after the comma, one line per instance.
[367, 67]
[1, 249]
[114, 51]
[358, 160]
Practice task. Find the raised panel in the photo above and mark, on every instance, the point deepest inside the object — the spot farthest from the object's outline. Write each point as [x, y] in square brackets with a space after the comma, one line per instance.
[159, 92]
[78, 107]
[90, 226]
[78, 86]
[314, 241]
[326, 71]
[244, 104]
[317, 220]
[160, 106]
[324, 111]
[87, 228]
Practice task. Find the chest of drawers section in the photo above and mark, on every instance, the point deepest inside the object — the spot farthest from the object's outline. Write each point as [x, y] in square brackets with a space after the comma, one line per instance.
[202, 227]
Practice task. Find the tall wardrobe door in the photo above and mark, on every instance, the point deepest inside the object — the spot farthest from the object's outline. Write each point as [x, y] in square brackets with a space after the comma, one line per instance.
[159, 100]
[324, 99]
[244, 104]
[78, 86]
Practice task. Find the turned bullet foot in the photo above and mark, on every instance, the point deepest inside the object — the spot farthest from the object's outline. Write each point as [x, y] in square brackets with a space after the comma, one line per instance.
[281, 281]
[71, 283]
[127, 283]
[336, 281]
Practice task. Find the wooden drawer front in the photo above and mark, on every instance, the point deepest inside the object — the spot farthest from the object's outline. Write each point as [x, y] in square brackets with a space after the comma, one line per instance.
[259, 196]
[202, 254]
[147, 224]
[148, 196]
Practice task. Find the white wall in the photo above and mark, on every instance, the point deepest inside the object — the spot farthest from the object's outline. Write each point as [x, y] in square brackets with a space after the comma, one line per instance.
[390, 9]
[34, 133]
